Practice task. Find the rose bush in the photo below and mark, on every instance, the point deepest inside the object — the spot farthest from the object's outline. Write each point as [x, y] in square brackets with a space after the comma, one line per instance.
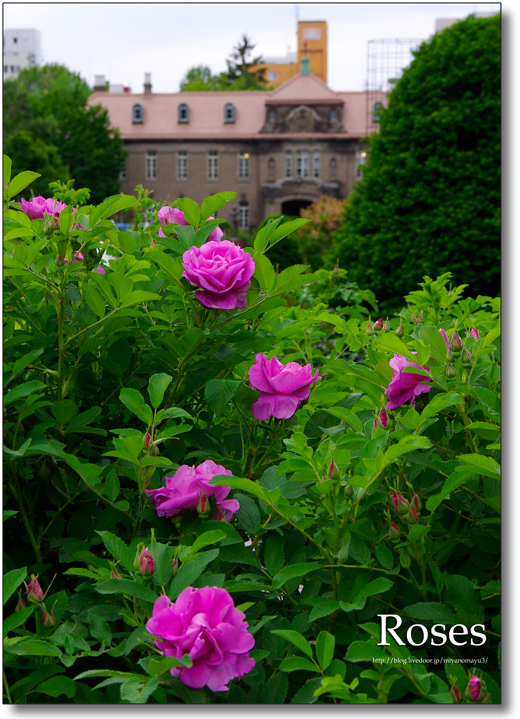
[124, 394]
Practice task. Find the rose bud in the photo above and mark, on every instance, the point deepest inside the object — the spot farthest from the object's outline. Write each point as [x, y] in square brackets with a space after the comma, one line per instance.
[35, 594]
[379, 324]
[455, 694]
[399, 502]
[369, 330]
[393, 531]
[411, 517]
[455, 343]
[450, 371]
[147, 439]
[334, 471]
[386, 325]
[465, 358]
[174, 566]
[381, 420]
[21, 604]
[114, 574]
[48, 620]
[400, 330]
[147, 564]
[474, 333]
[203, 507]
[473, 688]
[349, 491]
[416, 503]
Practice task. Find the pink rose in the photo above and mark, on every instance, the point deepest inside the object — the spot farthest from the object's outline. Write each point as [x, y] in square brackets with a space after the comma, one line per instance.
[38, 206]
[282, 387]
[184, 490]
[205, 624]
[405, 386]
[35, 593]
[223, 272]
[170, 215]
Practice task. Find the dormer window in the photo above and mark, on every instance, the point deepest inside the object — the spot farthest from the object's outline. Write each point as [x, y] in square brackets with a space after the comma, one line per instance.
[184, 113]
[137, 115]
[334, 114]
[272, 115]
[229, 113]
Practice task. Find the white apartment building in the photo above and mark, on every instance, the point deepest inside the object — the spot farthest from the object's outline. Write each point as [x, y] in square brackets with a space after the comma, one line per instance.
[22, 49]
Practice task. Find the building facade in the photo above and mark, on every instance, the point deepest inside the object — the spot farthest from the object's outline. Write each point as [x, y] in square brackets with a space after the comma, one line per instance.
[22, 49]
[279, 150]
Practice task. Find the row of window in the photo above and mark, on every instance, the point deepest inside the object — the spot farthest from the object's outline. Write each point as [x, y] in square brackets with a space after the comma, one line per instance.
[183, 113]
[301, 168]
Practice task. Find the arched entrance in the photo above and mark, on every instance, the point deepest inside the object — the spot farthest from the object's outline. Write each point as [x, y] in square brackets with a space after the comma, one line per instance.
[293, 207]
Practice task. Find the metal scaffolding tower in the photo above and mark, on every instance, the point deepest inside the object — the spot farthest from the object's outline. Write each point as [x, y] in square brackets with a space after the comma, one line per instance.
[386, 60]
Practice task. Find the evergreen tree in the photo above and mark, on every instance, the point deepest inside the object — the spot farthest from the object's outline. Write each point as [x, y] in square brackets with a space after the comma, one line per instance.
[429, 201]
[47, 106]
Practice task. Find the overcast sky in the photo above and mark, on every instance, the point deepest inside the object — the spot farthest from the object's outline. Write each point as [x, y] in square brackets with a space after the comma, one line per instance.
[123, 41]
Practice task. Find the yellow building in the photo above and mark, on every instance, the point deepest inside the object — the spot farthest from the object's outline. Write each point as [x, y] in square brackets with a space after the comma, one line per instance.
[312, 43]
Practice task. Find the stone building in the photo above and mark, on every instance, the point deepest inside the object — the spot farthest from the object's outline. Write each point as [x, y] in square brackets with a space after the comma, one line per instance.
[279, 150]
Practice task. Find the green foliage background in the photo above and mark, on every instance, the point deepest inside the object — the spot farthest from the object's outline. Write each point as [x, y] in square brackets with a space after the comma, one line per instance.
[429, 201]
[49, 126]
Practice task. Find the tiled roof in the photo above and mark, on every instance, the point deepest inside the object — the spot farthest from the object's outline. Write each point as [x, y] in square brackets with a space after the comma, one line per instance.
[206, 112]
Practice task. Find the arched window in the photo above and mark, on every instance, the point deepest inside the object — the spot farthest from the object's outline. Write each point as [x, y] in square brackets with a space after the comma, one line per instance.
[271, 168]
[376, 114]
[137, 115]
[333, 166]
[229, 112]
[184, 113]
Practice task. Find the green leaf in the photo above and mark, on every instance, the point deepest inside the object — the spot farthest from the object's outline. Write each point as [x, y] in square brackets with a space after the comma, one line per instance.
[34, 648]
[17, 619]
[190, 571]
[295, 638]
[290, 278]
[22, 390]
[486, 466]
[12, 581]
[7, 169]
[364, 652]
[286, 229]
[435, 341]
[100, 629]
[55, 686]
[190, 209]
[213, 203]
[241, 483]
[113, 204]
[438, 404]
[118, 549]
[64, 410]
[431, 611]
[157, 386]
[156, 667]
[294, 664]
[323, 607]
[292, 571]
[391, 343]
[384, 556]
[20, 182]
[248, 515]
[134, 400]
[82, 420]
[211, 537]
[404, 446]
[162, 556]
[218, 392]
[377, 586]
[488, 399]
[325, 649]
[264, 273]
[128, 587]
[263, 236]
[94, 299]
[138, 296]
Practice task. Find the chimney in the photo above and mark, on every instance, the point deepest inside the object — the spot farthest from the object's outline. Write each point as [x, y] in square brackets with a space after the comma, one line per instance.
[148, 83]
[100, 84]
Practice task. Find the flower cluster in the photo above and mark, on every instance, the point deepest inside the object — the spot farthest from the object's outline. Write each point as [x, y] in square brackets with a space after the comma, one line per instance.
[171, 215]
[186, 489]
[282, 387]
[205, 624]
